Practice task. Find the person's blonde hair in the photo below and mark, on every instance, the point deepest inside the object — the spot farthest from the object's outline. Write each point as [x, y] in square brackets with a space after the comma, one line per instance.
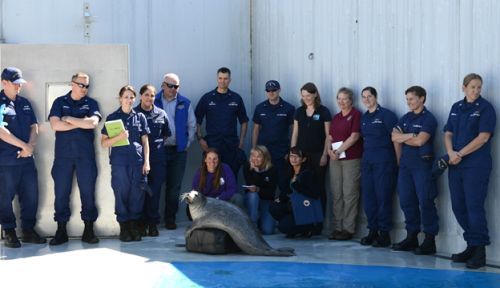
[261, 149]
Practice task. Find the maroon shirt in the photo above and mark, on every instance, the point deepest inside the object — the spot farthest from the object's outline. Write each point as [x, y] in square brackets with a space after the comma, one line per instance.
[342, 127]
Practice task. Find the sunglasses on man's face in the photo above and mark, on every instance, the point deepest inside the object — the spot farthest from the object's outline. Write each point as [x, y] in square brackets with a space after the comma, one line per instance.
[81, 85]
[170, 85]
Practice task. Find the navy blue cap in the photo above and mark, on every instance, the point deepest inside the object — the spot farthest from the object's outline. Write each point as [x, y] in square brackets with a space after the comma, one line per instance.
[13, 75]
[272, 85]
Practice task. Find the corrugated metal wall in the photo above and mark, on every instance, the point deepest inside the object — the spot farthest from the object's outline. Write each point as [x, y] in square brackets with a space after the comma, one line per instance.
[388, 44]
[391, 45]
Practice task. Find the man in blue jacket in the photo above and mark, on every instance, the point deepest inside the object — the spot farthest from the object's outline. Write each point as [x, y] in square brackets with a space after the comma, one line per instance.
[182, 124]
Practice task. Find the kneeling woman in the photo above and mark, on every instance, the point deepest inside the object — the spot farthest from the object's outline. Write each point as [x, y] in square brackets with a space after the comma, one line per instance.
[215, 179]
[261, 182]
[299, 209]
[129, 164]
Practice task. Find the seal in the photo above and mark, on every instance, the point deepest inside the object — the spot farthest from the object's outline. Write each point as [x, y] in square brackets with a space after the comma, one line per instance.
[214, 213]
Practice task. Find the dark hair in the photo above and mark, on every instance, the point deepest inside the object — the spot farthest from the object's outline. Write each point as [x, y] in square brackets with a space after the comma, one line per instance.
[311, 88]
[470, 77]
[370, 89]
[224, 70]
[204, 170]
[297, 151]
[417, 90]
[127, 88]
[145, 87]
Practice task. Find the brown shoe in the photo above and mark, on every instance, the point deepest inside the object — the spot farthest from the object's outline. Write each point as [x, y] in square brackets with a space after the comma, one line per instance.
[334, 235]
[344, 235]
[171, 225]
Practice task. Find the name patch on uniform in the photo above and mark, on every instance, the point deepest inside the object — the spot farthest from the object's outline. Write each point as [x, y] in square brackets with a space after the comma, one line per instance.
[262, 114]
[233, 104]
[281, 115]
[475, 114]
[181, 106]
[377, 121]
[85, 107]
[417, 126]
[212, 103]
[26, 108]
[453, 114]
[349, 118]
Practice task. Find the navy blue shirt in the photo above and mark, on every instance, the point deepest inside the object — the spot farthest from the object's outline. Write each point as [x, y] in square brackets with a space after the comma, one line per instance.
[221, 112]
[466, 121]
[376, 129]
[19, 116]
[412, 156]
[158, 126]
[137, 126]
[78, 142]
[274, 121]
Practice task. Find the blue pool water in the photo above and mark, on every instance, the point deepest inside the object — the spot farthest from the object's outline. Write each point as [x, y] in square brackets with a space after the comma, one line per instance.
[292, 274]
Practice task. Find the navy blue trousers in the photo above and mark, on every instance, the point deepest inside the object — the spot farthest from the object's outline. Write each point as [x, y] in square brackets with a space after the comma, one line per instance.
[156, 178]
[86, 175]
[377, 187]
[23, 181]
[126, 181]
[176, 165]
[417, 192]
[468, 190]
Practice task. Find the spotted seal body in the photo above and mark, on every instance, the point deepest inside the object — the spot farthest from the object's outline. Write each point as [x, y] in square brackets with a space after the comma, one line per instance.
[213, 213]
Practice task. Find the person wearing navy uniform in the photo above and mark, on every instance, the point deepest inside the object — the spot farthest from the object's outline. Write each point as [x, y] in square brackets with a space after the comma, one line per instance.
[414, 136]
[182, 124]
[467, 139]
[74, 117]
[129, 164]
[158, 126]
[18, 175]
[378, 169]
[222, 108]
[272, 120]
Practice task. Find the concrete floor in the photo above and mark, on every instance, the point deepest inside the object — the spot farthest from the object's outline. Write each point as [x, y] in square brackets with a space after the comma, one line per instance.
[152, 263]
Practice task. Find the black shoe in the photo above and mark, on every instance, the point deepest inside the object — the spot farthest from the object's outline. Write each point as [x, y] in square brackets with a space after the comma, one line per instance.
[170, 225]
[428, 247]
[478, 258]
[124, 232]
[153, 230]
[368, 239]
[11, 239]
[141, 228]
[410, 243]
[344, 235]
[463, 256]
[30, 236]
[61, 234]
[290, 235]
[88, 235]
[334, 234]
[134, 232]
[383, 240]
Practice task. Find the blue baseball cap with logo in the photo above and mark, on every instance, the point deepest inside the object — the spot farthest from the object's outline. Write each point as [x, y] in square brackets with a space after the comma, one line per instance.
[272, 85]
[13, 75]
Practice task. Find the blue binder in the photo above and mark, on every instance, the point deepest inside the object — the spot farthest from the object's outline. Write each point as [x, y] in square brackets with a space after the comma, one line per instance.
[306, 210]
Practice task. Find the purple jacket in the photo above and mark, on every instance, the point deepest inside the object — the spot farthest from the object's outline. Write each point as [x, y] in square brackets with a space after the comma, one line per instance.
[226, 189]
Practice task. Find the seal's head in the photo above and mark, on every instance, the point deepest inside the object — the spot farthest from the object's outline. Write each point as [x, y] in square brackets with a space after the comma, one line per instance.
[193, 197]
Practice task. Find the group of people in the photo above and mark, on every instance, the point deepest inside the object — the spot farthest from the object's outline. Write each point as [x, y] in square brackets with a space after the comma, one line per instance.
[368, 153]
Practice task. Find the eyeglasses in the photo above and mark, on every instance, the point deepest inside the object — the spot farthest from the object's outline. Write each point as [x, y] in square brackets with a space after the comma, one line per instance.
[81, 85]
[170, 85]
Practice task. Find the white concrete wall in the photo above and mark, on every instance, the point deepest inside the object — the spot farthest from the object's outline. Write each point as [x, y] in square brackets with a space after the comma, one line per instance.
[108, 68]
[390, 45]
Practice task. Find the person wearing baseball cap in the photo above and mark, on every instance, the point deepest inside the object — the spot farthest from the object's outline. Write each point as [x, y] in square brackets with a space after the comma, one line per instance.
[18, 174]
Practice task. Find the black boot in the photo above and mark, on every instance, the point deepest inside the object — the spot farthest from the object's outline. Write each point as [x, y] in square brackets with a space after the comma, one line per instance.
[134, 232]
[428, 247]
[368, 239]
[11, 239]
[88, 235]
[141, 227]
[30, 236]
[410, 243]
[463, 256]
[124, 232]
[61, 234]
[478, 258]
[383, 239]
[153, 230]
